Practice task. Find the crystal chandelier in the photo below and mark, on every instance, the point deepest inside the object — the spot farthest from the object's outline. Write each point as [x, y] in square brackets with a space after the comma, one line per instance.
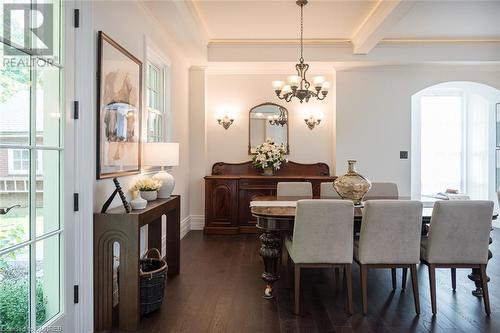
[298, 86]
[278, 120]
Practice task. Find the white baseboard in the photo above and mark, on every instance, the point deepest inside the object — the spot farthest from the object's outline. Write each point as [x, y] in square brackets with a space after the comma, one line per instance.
[197, 222]
[185, 226]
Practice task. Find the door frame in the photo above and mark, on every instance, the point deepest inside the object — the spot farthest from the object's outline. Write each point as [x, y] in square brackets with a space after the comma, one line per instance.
[81, 40]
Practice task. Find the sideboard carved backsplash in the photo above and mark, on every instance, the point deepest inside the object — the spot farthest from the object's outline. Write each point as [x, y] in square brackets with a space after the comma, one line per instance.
[288, 169]
[231, 187]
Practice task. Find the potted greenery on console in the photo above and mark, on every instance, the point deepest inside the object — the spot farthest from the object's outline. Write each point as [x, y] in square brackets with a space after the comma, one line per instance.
[269, 156]
[148, 188]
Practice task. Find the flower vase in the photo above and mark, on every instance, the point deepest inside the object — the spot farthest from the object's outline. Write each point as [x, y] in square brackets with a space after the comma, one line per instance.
[269, 171]
[149, 195]
[352, 185]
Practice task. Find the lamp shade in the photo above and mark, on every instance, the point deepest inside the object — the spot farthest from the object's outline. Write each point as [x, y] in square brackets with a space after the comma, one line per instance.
[161, 154]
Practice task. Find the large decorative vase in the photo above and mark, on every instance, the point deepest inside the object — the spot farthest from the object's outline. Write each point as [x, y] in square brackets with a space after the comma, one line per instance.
[352, 185]
[269, 171]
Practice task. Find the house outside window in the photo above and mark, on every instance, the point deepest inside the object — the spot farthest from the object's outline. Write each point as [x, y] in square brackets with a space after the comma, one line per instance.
[19, 162]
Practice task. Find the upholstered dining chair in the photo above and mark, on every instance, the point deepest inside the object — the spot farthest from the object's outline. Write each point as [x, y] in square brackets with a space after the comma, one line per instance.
[294, 189]
[459, 235]
[322, 237]
[328, 192]
[389, 238]
[382, 190]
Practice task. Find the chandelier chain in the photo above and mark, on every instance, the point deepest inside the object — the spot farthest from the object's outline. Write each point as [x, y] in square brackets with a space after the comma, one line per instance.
[301, 33]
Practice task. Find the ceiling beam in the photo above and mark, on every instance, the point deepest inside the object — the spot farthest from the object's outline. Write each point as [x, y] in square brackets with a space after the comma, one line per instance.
[383, 16]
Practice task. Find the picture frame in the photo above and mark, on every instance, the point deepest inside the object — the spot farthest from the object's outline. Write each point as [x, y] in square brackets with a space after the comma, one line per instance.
[119, 110]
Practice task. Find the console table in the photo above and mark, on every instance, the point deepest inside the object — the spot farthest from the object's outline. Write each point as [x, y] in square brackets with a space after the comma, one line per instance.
[118, 226]
[231, 187]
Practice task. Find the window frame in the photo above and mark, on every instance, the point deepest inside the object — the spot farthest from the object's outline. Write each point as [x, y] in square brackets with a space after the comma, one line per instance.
[11, 170]
[163, 65]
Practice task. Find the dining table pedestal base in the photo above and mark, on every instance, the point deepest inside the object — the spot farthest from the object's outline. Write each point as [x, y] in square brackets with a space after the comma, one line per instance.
[271, 248]
[270, 251]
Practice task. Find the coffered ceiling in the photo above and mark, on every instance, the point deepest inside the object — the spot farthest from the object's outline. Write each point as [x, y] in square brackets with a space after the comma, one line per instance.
[362, 23]
[280, 19]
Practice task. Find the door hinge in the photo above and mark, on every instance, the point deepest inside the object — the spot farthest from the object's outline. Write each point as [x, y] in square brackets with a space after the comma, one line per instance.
[75, 202]
[77, 18]
[76, 110]
[75, 294]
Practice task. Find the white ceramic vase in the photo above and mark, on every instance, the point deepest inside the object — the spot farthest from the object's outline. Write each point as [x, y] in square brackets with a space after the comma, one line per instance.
[138, 202]
[168, 184]
[149, 195]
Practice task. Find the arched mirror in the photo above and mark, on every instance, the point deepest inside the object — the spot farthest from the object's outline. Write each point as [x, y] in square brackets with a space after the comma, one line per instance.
[267, 120]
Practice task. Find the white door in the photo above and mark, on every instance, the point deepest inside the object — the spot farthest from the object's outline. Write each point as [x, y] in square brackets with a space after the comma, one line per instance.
[34, 265]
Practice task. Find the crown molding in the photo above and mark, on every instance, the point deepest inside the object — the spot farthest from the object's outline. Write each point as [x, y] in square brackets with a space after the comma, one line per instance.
[280, 41]
[438, 40]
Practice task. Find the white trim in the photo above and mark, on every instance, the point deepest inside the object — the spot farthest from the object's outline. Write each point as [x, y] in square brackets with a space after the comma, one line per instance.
[84, 41]
[197, 222]
[185, 226]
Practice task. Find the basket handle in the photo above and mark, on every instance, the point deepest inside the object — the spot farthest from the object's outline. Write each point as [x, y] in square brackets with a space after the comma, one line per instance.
[146, 255]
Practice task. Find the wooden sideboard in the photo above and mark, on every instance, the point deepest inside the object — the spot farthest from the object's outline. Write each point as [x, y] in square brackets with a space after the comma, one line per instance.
[231, 187]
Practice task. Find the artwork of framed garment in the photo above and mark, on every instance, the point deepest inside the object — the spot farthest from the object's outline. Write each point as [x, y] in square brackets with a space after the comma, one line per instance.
[119, 110]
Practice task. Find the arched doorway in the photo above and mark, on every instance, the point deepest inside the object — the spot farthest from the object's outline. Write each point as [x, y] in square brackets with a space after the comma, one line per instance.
[454, 143]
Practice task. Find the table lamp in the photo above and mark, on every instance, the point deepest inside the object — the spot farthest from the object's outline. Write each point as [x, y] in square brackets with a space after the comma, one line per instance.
[162, 154]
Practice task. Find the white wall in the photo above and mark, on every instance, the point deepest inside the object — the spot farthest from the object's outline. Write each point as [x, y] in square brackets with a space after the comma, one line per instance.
[236, 94]
[374, 115]
[127, 31]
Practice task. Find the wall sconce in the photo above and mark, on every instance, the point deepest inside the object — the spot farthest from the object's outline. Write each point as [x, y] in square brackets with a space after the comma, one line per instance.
[225, 121]
[312, 122]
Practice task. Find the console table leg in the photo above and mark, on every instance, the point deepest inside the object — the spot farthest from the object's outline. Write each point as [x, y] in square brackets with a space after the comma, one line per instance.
[476, 277]
[270, 251]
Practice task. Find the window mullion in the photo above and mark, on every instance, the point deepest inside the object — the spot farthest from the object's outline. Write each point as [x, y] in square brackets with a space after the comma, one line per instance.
[32, 188]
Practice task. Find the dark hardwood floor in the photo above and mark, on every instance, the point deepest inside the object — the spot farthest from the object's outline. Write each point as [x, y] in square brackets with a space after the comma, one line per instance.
[219, 290]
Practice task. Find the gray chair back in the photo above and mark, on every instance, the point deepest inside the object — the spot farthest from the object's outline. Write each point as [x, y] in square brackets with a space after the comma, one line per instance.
[382, 190]
[459, 232]
[390, 232]
[328, 192]
[295, 189]
[323, 232]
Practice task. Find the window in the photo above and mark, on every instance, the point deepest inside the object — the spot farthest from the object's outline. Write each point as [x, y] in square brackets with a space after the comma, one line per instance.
[155, 90]
[453, 140]
[19, 161]
[32, 275]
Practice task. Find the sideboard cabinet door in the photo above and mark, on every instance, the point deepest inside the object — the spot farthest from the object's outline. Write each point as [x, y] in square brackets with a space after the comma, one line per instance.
[221, 203]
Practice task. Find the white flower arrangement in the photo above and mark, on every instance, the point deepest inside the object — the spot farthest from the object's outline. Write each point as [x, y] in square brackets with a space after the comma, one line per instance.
[269, 155]
[147, 184]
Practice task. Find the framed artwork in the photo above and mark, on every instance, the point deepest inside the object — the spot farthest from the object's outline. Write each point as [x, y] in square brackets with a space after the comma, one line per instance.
[119, 110]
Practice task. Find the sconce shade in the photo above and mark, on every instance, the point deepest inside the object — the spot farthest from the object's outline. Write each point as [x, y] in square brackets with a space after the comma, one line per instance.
[161, 154]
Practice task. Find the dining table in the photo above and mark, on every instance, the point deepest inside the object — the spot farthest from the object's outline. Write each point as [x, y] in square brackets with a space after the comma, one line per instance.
[275, 217]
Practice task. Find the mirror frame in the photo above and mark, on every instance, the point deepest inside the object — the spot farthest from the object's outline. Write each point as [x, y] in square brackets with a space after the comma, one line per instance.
[287, 127]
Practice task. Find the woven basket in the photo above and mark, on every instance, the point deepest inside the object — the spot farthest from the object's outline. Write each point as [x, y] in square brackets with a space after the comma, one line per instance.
[153, 273]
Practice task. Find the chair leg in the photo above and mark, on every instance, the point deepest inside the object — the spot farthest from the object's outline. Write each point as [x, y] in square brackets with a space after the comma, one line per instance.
[404, 278]
[414, 282]
[393, 274]
[454, 278]
[297, 290]
[364, 293]
[337, 277]
[484, 285]
[348, 282]
[432, 283]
